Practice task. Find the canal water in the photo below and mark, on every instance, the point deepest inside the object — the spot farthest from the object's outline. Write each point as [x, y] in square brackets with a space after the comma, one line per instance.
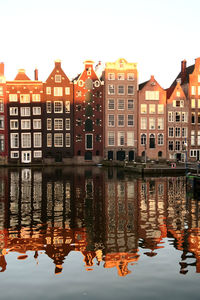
[95, 233]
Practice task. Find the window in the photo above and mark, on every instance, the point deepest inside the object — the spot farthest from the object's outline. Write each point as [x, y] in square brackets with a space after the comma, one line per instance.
[130, 90]
[111, 120]
[67, 124]
[152, 141]
[193, 90]
[144, 123]
[36, 110]
[178, 146]
[160, 109]
[152, 123]
[49, 124]
[130, 120]
[24, 98]
[120, 76]
[57, 78]
[184, 116]
[121, 138]
[67, 140]
[13, 98]
[48, 90]
[171, 145]
[130, 138]
[130, 104]
[13, 124]
[199, 78]
[58, 107]
[193, 153]
[2, 143]
[177, 132]
[120, 89]
[192, 103]
[152, 108]
[14, 140]
[184, 132]
[111, 138]
[14, 154]
[192, 137]
[143, 108]
[1, 106]
[37, 139]
[67, 106]
[178, 94]
[198, 138]
[178, 116]
[160, 139]
[67, 91]
[160, 123]
[1, 90]
[58, 91]
[26, 140]
[198, 118]
[171, 131]
[58, 140]
[198, 90]
[88, 125]
[111, 104]
[193, 118]
[170, 116]
[37, 124]
[13, 111]
[198, 103]
[37, 154]
[79, 138]
[1, 122]
[58, 124]
[143, 139]
[49, 140]
[152, 95]
[120, 104]
[36, 98]
[25, 124]
[111, 89]
[89, 141]
[111, 76]
[25, 111]
[48, 106]
[120, 120]
[130, 76]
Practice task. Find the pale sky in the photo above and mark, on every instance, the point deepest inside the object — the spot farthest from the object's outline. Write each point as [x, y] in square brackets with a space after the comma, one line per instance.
[157, 34]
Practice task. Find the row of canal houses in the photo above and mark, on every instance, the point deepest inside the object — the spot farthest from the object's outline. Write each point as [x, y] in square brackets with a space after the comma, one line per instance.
[102, 114]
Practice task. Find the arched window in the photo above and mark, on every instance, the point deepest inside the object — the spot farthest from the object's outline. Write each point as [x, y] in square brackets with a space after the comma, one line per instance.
[152, 141]
[160, 139]
[143, 139]
[88, 84]
[88, 125]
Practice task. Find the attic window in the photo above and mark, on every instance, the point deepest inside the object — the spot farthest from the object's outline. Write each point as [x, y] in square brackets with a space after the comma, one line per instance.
[178, 94]
[57, 78]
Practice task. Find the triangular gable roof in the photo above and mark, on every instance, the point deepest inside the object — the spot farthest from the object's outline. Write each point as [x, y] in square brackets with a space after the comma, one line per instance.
[57, 66]
[189, 70]
[21, 75]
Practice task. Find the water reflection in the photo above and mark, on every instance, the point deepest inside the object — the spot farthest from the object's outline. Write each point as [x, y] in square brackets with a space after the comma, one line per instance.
[106, 215]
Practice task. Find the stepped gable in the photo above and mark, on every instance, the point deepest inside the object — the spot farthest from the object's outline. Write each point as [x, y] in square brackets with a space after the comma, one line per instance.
[21, 75]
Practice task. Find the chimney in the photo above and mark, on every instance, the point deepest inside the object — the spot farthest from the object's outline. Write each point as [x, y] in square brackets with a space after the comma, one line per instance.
[36, 73]
[1, 69]
[183, 70]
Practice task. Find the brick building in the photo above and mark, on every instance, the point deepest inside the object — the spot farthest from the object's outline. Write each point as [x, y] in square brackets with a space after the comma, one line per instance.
[151, 120]
[3, 117]
[88, 116]
[24, 114]
[58, 117]
[120, 110]
[177, 123]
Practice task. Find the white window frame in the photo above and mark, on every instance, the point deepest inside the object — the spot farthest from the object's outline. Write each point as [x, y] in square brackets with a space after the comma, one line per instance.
[25, 111]
[16, 138]
[37, 123]
[128, 90]
[58, 91]
[67, 124]
[36, 97]
[68, 140]
[130, 123]
[24, 98]
[120, 123]
[37, 154]
[28, 142]
[37, 143]
[13, 111]
[49, 140]
[14, 154]
[67, 106]
[67, 91]
[16, 122]
[111, 104]
[25, 124]
[58, 124]
[36, 110]
[13, 98]
[111, 137]
[48, 90]
[58, 135]
[61, 107]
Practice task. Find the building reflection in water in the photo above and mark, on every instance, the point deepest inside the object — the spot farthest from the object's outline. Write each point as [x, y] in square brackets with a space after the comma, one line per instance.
[106, 215]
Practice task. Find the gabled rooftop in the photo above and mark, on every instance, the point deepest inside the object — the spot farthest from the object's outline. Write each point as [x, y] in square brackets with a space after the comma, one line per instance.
[21, 75]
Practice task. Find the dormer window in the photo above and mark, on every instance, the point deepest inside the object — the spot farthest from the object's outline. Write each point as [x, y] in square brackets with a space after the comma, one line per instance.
[57, 78]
